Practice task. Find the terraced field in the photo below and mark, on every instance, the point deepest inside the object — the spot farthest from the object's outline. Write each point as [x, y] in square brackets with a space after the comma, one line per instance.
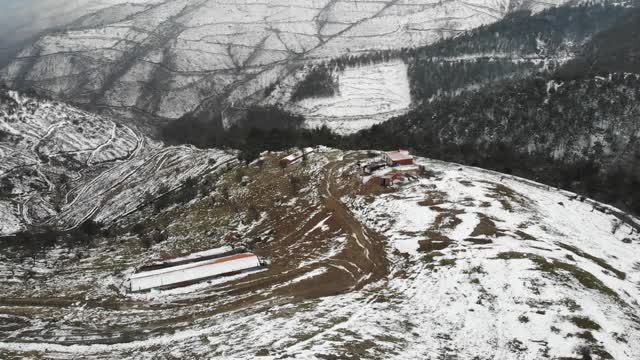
[62, 166]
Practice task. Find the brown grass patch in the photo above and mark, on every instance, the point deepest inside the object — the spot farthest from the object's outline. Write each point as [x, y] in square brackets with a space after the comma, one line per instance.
[486, 227]
[409, 233]
[433, 245]
[506, 196]
[506, 204]
[468, 202]
[559, 268]
[601, 262]
[436, 236]
[434, 198]
[524, 236]
[447, 218]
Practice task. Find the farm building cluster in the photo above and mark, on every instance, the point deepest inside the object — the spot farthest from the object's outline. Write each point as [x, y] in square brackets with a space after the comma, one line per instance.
[391, 168]
[398, 157]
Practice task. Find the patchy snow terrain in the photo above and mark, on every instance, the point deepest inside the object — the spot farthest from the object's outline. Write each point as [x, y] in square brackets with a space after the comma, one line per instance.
[451, 261]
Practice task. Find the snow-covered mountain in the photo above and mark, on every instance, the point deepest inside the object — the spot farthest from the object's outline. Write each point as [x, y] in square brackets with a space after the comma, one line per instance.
[60, 165]
[161, 59]
[451, 262]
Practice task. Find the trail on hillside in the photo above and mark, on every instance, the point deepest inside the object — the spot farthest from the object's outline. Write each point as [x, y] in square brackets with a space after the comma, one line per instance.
[369, 254]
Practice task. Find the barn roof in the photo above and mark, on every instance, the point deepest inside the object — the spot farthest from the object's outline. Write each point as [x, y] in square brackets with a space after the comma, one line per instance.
[398, 155]
[291, 157]
[192, 265]
[193, 272]
[298, 154]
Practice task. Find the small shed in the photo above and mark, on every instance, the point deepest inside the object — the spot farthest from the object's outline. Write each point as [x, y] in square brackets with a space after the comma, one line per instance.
[288, 159]
[390, 178]
[398, 157]
[296, 156]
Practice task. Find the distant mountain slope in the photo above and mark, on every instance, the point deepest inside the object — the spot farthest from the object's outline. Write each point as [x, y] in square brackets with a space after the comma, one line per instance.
[62, 166]
[519, 45]
[163, 59]
[614, 50]
[23, 21]
[354, 91]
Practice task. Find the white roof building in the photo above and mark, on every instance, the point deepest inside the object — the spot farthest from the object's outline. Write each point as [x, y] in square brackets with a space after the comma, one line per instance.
[192, 272]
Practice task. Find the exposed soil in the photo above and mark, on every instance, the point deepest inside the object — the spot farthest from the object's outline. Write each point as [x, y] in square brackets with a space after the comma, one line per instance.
[486, 227]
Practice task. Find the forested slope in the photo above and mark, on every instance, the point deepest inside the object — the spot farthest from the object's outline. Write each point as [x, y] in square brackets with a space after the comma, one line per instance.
[576, 128]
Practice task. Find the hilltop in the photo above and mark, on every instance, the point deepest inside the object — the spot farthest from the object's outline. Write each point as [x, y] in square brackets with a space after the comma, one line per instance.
[453, 260]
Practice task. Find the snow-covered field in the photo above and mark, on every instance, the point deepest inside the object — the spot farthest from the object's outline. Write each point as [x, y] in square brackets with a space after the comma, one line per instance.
[453, 262]
[367, 95]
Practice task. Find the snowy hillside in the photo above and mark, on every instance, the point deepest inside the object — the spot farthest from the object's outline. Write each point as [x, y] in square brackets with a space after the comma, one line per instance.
[451, 262]
[60, 165]
[163, 59]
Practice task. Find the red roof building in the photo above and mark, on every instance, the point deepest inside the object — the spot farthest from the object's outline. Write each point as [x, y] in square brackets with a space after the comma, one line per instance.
[398, 157]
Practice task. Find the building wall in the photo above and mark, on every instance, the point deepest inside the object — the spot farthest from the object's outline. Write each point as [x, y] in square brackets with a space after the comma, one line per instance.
[405, 162]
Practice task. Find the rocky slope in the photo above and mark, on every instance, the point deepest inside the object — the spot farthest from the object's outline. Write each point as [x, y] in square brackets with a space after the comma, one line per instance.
[453, 261]
[161, 59]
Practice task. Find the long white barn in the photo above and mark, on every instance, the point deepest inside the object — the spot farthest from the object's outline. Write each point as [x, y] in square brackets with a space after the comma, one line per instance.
[192, 272]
